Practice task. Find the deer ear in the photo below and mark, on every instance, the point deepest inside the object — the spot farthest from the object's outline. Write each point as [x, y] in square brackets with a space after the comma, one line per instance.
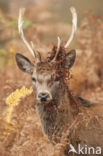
[69, 59]
[24, 64]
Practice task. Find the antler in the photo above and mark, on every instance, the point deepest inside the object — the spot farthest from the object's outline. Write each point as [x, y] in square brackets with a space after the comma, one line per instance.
[31, 48]
[58, 47]
[74, 28]
[20, 25]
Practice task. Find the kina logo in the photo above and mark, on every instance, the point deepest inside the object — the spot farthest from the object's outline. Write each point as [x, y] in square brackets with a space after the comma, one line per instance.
[85, 150]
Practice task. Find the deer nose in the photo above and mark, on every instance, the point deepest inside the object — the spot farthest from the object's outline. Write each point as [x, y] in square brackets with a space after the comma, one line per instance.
[43, 96]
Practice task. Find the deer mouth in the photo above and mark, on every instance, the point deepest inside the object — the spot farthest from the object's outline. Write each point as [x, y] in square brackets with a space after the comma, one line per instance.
[45, 102]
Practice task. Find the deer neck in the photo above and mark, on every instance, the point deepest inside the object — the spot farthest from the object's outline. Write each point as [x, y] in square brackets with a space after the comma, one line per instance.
[56, 115]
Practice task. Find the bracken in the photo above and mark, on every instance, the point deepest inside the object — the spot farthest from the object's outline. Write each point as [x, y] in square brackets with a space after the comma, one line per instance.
[14, 98]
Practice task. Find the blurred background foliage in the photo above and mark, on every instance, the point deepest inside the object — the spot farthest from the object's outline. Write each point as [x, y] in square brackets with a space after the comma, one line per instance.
[44, 20]
[45, 11]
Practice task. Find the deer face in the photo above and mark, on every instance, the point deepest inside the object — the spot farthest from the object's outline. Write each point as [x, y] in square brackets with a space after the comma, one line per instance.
[45, 78]
[45, 82]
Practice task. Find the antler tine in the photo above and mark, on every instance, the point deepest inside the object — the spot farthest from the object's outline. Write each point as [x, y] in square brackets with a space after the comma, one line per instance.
[37, 54]
[20, 28]
[33, 48]
[74, 26]
[58, 47]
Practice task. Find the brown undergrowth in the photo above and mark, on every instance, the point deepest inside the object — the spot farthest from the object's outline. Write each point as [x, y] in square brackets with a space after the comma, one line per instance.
[23, 135]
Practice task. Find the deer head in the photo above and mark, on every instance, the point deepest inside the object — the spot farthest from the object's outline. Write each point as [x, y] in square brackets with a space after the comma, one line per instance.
[47, 76]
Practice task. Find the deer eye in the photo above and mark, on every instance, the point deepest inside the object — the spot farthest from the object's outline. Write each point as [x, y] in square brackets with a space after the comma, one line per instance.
[33, 79]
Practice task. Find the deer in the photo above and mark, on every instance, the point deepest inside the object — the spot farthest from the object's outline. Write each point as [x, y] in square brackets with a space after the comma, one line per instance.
[62, 115]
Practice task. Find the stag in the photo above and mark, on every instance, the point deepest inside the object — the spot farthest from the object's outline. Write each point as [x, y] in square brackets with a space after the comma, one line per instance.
[62, 115]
